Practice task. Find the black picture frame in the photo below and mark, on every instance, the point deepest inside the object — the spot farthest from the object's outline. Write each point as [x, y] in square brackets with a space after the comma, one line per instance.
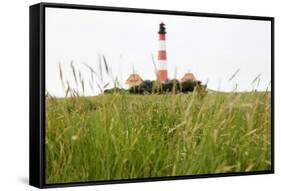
[37, 92]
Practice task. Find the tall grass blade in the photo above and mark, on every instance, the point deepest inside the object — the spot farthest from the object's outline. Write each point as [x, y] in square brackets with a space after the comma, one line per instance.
[74, 72]
[61, 76]
[234, 75]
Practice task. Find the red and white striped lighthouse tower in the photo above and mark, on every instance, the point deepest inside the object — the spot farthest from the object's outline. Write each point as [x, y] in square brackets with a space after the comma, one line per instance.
[162, 55]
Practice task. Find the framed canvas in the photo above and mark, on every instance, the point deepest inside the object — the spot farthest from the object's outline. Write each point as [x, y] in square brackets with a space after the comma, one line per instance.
[130, 95]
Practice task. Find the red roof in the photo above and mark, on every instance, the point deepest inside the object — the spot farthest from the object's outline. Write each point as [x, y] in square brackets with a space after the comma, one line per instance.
[188, 76]
[134, 80]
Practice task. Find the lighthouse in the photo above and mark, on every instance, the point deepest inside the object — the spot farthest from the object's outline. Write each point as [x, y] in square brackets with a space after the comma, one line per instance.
[162, 72]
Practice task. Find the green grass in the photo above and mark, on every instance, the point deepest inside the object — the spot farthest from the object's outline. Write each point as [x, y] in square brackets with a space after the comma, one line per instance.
[116, 136]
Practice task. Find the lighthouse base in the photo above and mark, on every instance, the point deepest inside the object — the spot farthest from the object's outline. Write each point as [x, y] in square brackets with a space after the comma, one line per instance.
[162, 75]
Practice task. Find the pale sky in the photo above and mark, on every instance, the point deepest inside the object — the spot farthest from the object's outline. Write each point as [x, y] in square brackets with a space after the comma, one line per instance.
[213, 49]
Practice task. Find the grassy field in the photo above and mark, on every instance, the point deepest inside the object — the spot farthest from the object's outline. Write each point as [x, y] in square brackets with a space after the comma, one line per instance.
[115, 136]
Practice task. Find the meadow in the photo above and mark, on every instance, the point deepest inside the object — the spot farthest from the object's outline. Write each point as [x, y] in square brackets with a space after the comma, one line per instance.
[123, 136]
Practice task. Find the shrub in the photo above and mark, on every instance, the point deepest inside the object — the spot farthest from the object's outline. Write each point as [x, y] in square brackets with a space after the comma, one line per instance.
[114, 90]
[146, 86]
[170, 86]
[188, 86]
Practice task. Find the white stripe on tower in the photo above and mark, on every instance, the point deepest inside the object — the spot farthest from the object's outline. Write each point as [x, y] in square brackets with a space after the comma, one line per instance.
[162, 65]
[162, 45]
[162, 72]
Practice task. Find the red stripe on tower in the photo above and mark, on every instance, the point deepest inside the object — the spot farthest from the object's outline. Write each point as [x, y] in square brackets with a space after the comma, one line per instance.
[162, 55]
[162, 36]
